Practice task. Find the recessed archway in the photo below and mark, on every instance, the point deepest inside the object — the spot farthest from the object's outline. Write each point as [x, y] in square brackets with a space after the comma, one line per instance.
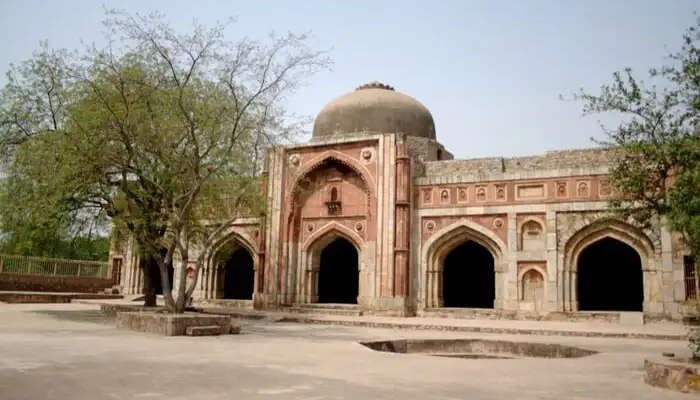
[609, 277]
[469, 277]
[239, 275]
[338, 277]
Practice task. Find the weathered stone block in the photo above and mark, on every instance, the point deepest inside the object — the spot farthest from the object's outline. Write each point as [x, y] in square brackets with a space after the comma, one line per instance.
[209, 330]
[680, 375]
[170, 324]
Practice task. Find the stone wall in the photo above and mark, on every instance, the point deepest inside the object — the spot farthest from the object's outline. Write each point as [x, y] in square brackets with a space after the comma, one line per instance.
[564, 162]
[38, 283]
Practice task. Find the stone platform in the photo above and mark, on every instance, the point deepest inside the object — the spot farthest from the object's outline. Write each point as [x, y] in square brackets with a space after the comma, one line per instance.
[587, 328]
[174, 324]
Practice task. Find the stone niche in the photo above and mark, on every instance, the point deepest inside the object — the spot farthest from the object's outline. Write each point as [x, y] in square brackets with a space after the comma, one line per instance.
[531, 235]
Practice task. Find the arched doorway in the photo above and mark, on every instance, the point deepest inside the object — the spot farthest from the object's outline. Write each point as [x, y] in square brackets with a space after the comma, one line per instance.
[610, 277]
[469, 277]
[338, 276]
[239, 275]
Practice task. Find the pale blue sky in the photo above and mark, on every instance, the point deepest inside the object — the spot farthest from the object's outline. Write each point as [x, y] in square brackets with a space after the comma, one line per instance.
[491, 72]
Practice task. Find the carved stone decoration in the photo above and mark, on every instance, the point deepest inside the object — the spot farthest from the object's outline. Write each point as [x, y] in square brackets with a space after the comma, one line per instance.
[498, 223]
[582, 189]
[366, 155]
[604, 188]
[427, 195]
[481, 193]
[294, 160]
[462, 195]
[310, 227]
[430, 226]
[445, 196]
[359, 227]
[500, 192]
[561, 189]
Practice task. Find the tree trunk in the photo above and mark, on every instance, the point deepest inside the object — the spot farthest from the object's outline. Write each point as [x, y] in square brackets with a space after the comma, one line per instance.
[149, 289]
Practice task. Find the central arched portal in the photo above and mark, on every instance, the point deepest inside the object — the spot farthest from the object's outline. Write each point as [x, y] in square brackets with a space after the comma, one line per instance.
[469, 277]
[338, 276]
[610, 277]
[239, 275]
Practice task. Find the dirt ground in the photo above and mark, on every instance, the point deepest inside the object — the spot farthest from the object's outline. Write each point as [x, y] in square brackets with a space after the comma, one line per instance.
[71, 351]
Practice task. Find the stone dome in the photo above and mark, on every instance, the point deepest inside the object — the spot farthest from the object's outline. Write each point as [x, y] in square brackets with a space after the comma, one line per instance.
[374, 107]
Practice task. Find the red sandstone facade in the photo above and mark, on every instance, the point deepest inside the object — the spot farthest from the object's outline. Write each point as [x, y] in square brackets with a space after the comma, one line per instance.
[374, 207]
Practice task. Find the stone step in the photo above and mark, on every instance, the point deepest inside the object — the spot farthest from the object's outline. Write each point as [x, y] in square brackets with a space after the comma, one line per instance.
[488, 313]
[477, 313]
[226, 303]
[328, 306]
[326, 309]
[208, 330]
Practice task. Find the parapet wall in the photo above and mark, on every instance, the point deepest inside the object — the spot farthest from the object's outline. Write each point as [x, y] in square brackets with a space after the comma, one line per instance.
[554, 163]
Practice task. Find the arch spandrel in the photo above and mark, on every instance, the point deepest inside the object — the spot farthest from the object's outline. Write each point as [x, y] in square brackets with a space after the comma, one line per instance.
[332, 156]
[609, 228]
[440, 243]
[330, 231]
[447, 238]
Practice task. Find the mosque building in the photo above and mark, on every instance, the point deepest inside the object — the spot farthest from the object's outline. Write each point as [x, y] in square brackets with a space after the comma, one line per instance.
[374, 216]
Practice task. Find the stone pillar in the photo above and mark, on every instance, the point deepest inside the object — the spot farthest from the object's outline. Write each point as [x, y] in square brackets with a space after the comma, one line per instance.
[553, 277]
[402, 221]
[507, 277]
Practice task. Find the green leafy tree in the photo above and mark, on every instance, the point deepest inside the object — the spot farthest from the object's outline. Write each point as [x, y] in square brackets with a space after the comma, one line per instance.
[657, 147]
[160, 131]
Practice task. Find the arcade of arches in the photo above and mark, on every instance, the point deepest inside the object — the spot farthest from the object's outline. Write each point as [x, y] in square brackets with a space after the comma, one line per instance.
[374, 211]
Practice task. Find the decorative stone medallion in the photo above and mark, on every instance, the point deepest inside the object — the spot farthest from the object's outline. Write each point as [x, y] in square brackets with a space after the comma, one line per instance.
[430, 226]
[310, 227]
[294, 160]
[367, 155]
[359, 227]
[498, 223]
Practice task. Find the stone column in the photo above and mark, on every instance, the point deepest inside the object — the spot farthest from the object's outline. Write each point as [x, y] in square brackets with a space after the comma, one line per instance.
[553, 278]
[402, 221]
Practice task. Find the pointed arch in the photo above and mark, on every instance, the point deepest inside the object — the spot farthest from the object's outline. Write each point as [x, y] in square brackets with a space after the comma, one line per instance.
[612, 228]
[330, 231]
[211, 280]
[311, 256]
[618, 230]
[442, 242]
[334, 156]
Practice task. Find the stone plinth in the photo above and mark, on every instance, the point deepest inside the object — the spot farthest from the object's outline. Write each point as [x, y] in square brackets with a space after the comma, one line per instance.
[676, 374]
[170, 324]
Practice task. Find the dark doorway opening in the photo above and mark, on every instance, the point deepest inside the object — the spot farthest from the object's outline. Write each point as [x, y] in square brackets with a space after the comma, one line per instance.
[238, 276]
[610, 277]
[468, 277]
[338, 277]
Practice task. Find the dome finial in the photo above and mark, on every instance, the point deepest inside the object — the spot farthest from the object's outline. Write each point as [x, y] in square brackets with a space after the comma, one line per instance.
[375, 85]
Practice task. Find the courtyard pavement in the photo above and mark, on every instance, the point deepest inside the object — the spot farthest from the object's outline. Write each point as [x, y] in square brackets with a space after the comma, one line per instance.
[71, 351]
